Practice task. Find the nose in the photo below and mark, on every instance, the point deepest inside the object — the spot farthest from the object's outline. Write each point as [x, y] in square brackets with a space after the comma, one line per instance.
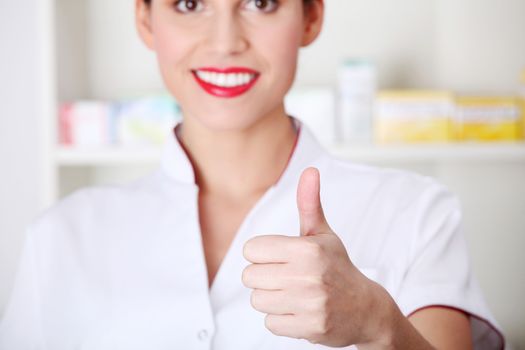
[226, 35]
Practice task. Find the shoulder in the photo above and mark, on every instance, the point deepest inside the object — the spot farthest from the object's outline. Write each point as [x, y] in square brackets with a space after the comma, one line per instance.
[388, 188]
[383, 214]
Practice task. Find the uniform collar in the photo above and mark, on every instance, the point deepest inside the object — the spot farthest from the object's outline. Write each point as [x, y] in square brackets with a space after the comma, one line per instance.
[176, 164]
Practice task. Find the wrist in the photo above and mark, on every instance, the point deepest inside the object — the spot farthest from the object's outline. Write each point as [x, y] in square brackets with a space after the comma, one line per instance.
[387, 320]
[392, 329]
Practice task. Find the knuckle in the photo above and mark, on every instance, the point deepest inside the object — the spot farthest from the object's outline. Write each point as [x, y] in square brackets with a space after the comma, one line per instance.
[318, 307]
[312, 249]
[324, 287]
[321, 304]
[246, 249]
[246, 273]
[313, 283]
[270, 324]
[319, 283]
[321, 329]
[314, 339]
[255, 300]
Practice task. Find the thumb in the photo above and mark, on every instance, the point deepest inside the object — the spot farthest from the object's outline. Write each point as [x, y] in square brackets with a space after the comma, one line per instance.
[311, 216]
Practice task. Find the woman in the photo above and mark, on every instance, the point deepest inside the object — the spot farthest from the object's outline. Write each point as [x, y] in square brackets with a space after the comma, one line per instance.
[227, 245]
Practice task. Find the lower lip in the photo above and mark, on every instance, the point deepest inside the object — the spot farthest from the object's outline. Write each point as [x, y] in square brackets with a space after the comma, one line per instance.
[226, 92]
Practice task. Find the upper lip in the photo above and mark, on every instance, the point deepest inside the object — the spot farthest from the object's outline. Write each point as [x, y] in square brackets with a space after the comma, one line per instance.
[228, 70]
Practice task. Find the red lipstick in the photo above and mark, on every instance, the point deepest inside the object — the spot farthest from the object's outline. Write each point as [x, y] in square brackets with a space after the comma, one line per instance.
[224, 91]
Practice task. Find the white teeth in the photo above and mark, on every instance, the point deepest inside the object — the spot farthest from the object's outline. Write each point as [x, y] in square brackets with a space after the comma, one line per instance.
[231, 79]
[222, 80]
[225, 80]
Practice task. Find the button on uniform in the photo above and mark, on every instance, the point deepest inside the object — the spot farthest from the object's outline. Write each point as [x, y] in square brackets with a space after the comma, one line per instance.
[202, 335]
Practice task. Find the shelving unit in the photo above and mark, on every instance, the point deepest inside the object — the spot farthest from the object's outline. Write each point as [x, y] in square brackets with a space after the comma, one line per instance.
[99, 56]
[432, 153]
[70, 157]
[84, 167]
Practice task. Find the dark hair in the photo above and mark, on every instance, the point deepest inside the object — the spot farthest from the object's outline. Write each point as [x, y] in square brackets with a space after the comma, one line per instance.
[306, 2]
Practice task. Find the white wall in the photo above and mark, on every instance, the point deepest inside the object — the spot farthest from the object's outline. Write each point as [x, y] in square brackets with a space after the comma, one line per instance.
[21, 142]
[465, 45]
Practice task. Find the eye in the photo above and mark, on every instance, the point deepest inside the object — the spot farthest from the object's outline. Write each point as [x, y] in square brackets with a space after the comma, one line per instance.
[187, 6]
[265, 6]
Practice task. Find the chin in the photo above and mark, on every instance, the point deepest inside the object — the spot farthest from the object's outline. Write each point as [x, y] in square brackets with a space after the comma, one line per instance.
[227, 121]
[237, 118]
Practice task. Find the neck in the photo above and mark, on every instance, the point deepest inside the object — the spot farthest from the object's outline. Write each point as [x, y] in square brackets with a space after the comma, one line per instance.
[239, 163]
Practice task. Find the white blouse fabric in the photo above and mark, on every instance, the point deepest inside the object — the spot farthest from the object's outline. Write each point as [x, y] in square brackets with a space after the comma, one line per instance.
[122, 267]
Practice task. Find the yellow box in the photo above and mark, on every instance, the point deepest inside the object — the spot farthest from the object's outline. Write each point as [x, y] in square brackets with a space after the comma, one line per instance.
[413, 116]
[522, 119]
[487, 118]
[522, 105]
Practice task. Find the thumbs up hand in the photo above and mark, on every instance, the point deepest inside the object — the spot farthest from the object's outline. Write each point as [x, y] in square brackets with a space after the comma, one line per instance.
[307, 285]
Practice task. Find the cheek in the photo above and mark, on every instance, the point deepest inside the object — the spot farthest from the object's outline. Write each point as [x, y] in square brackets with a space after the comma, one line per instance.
[281, 47]
[284, 42]
[170, 44]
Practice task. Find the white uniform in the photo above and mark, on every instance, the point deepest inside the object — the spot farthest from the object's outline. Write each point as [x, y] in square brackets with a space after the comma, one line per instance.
[123, 267]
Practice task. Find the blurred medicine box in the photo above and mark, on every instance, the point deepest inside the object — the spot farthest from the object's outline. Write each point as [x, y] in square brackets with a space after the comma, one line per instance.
[413, 116]
[487, 119]
[145, 121]
[85, 124]
[315, 106]
[522, 104]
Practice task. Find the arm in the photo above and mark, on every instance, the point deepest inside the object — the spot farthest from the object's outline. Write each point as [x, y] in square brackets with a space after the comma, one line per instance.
[429, 328]
[309, 288]
[444, 328]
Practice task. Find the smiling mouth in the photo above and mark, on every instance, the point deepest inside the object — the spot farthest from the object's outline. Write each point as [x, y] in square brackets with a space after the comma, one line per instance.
[229, 82]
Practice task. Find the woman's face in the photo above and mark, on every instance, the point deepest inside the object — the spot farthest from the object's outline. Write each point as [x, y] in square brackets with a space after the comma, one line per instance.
[228, 63]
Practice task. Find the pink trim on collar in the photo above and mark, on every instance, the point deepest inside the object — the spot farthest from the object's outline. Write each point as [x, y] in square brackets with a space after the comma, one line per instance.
[187, 153]
[297, 136]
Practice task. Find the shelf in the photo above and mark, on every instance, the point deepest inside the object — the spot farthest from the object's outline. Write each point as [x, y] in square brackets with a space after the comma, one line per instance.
[433, 152]
[66, 156]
